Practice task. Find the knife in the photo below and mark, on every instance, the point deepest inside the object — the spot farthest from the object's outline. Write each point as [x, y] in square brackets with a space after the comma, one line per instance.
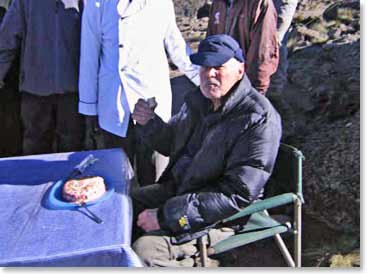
[80, 168]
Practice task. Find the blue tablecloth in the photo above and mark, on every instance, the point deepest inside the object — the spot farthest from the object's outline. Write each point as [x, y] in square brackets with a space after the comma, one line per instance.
[33, 235]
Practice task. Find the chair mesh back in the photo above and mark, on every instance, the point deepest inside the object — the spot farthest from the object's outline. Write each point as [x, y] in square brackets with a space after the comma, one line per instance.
[286, 171]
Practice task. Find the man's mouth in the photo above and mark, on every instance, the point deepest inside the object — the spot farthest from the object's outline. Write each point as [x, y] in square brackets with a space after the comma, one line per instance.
[213, 84]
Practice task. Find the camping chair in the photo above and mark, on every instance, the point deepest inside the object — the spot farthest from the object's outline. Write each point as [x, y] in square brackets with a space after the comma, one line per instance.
[284, 187]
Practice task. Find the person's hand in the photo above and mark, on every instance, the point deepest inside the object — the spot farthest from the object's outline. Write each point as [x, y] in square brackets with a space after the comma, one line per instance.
[148, 220]
[142, 112]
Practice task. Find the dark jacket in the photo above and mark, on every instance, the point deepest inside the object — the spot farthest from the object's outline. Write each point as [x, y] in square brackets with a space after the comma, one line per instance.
[253, 23]
[48, 36]
[230, 167]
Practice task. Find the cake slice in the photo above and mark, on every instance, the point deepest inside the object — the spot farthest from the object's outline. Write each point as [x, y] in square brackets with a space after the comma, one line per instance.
[83, 190]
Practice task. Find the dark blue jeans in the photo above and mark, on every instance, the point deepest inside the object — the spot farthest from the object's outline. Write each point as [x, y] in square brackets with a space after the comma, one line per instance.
[51, 123]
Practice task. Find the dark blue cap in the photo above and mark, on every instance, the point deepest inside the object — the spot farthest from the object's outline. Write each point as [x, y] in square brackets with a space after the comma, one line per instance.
[217, 49]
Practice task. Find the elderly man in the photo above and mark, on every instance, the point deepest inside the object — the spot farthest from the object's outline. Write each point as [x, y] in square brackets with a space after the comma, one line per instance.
[222, 146]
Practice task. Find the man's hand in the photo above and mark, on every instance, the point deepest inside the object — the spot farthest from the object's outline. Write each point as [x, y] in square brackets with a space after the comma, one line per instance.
[142, 112]
[148, 220]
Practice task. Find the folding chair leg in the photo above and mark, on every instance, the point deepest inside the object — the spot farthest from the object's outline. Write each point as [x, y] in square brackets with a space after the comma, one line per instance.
[284, 250]
[203, 252]
[298, 232]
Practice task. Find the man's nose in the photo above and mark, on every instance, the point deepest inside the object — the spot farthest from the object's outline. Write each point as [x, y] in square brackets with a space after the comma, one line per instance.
[211, 72]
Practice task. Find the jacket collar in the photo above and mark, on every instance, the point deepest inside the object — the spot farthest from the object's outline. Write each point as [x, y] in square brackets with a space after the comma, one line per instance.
[134, 7]
[237, 95]
[201, 104]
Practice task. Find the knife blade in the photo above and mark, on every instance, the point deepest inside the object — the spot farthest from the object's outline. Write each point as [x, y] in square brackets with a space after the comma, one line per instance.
[80, 168]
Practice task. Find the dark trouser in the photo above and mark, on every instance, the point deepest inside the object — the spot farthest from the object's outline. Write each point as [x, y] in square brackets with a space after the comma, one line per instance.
[51, 123]
[10, 123]
[145, 164]
[103, 139]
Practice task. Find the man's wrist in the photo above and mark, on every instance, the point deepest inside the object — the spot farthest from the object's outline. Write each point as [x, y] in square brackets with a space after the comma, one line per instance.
[161, 219]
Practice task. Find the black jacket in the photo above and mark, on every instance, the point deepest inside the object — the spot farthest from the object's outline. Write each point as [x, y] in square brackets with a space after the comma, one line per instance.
[231, 166]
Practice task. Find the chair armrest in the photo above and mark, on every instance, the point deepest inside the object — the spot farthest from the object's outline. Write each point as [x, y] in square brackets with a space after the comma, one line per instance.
[261, 205]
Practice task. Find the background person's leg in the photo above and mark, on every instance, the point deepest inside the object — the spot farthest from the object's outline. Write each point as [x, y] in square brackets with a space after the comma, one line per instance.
[38, 120]
[145, 164]
[105, 140]
[286, 10]
[70, 125]
[10, 122]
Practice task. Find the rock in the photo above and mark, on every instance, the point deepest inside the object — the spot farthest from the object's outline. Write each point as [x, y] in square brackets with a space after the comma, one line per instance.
[349, 260]
[331, 173]
[315, 36]
[188, 8]
[342, 10]
[338, 67]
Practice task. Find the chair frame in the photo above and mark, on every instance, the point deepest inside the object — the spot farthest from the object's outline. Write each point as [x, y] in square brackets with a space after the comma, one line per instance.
[268, 203]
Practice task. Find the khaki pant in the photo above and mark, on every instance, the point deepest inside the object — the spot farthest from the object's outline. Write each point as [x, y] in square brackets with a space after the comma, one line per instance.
[156, 249]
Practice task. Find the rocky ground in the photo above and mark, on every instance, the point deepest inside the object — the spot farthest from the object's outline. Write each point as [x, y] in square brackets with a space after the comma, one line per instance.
[323, 91]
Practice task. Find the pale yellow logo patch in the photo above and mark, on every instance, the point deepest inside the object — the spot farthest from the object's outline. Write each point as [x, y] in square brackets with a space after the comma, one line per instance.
[183, 221]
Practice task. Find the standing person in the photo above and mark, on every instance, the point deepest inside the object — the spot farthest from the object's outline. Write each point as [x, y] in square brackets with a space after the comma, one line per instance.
[253, 23]
[222, 146]
[47, 33]
[123, 58]
[286, 10]
[10, 122]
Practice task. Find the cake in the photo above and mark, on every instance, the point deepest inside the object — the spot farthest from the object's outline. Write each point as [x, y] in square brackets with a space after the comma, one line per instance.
[83, 190]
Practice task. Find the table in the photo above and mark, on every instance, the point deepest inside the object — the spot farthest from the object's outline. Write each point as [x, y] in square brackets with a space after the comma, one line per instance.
[33, 235]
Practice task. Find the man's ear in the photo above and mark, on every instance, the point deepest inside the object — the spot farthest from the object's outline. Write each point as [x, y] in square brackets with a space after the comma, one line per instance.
[241, 70]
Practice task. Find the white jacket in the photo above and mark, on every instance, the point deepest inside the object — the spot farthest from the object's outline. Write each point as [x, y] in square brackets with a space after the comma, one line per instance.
[146, 29]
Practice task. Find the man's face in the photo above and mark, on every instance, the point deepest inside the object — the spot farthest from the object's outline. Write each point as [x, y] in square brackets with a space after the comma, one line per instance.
[215, 82]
